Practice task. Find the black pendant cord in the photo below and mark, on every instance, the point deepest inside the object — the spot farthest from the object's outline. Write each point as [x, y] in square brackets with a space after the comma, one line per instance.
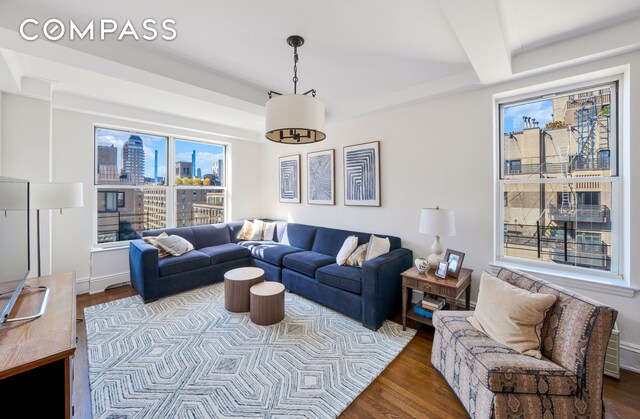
[295, 69]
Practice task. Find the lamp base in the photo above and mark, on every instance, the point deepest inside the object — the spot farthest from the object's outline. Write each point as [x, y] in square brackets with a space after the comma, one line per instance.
[433, 259]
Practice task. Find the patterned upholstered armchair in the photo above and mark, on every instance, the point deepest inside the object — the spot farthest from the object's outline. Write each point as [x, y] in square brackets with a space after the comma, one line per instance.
[492, 380]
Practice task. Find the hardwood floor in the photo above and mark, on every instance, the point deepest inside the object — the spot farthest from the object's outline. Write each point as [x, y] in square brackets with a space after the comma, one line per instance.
[408, 388]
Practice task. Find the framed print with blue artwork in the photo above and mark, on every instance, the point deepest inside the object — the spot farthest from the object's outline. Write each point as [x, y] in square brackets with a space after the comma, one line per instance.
[362, 174]
[321, 187]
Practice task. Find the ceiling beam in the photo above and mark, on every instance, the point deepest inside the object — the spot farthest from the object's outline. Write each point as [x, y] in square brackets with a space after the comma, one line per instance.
[11, 71]
[477, 25]
[611, 40]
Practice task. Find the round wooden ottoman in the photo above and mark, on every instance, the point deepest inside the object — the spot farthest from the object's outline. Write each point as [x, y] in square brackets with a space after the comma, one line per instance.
[267, 303]
[237, 283]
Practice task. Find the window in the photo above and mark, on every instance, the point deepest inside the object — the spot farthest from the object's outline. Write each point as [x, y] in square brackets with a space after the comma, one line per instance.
[558, 178]
[135, 192]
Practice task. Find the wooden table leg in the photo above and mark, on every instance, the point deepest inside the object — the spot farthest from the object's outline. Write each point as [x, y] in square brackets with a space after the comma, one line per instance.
[467, 297]
[404, 307]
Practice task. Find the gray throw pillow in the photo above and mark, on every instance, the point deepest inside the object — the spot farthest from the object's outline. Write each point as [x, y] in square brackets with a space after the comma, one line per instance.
[175, 245]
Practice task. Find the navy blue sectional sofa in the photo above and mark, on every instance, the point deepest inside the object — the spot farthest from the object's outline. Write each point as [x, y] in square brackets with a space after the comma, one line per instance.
[302, 257]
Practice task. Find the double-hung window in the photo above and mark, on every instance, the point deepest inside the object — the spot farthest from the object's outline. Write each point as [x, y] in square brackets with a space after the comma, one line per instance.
[560, 203]
[137, 189]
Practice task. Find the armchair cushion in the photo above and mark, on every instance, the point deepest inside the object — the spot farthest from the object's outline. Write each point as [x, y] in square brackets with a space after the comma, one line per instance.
[307, 262]
[498, 367]
[186, 262]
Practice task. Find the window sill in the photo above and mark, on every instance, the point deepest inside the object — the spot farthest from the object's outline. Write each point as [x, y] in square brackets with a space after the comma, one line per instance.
[573, 280]
[107, 248]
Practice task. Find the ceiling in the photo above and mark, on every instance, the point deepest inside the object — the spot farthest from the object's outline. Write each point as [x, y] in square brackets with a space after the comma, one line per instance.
[360, 55]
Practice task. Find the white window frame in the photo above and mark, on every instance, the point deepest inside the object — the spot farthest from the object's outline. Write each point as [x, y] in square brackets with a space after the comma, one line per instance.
[615, 275]
[170, 187]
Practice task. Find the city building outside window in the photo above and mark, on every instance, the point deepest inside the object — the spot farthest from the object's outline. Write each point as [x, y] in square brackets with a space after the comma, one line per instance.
[558, 177]
[138, 190]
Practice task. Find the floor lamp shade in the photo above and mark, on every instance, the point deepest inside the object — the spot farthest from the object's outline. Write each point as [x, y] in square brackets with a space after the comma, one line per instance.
[56, 195]
[295, 119]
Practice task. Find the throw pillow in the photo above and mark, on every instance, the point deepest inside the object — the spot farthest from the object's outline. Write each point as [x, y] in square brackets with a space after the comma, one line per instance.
[285, 236]
[153, 240]
[357, 257]
[175, 245]
[347, 249]
[247, 231]
[269, 231]
[377, 246]
[511, 315]
[258, 230]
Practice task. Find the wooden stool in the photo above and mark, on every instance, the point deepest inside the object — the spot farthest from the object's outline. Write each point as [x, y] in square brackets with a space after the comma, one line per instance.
[237, 283]
[267, 303]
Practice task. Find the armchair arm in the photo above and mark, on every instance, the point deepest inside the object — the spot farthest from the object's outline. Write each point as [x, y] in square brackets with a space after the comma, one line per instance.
[382, 286]
[143, 269]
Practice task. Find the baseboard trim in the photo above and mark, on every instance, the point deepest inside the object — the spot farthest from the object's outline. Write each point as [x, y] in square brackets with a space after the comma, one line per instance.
[82, 285]
[630, 356]
[100, 284]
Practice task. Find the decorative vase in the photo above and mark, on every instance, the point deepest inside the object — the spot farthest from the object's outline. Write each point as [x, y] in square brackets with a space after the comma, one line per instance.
[422, 265]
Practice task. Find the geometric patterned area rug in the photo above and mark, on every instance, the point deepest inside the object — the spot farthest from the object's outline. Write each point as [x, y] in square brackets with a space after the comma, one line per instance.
[185, 356]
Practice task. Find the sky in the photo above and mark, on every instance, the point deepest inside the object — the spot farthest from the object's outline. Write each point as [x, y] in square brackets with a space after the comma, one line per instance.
[542, 111]
[206, 154]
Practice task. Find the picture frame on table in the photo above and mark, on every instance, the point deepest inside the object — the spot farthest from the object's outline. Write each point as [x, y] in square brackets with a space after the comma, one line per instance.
[441, 269]
[455, 259]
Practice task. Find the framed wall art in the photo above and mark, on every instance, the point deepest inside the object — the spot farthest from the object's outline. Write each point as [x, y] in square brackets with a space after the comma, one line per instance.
[321, 177]
[290, 179]
[362, 174]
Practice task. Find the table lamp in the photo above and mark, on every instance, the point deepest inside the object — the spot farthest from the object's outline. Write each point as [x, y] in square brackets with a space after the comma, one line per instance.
[46, 196]
[440, 222]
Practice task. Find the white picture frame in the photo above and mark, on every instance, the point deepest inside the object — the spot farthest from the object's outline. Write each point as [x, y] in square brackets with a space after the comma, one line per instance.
[289, 168]
[362, 174]
[321, 185]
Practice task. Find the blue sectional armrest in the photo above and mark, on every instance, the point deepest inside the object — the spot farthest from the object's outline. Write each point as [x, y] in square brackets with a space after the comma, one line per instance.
[143, 268]
[382, 286]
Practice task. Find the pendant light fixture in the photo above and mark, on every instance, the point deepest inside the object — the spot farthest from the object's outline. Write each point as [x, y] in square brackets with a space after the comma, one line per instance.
[295, 118]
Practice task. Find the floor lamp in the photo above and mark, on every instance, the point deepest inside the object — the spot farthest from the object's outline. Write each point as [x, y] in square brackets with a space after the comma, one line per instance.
[45, 196]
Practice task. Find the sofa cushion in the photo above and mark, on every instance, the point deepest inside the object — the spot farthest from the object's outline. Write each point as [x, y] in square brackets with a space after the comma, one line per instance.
[346, 278]
[210, 235]
[186, 262]
[301, 236]
[225, 252]
[307, 262]
[329, 240]
[269, 251]
[498, 367]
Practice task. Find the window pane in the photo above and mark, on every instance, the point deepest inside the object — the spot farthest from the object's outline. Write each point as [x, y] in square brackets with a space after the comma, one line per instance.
[124, 213]
[199, 206]
[559, 137]
[128, 158]
[565, 223]
[199, 163]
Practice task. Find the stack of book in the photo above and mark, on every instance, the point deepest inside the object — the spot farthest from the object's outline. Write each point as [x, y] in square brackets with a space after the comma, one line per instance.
[432, 303]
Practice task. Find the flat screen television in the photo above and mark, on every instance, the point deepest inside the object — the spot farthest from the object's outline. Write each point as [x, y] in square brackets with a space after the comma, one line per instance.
[14, 243]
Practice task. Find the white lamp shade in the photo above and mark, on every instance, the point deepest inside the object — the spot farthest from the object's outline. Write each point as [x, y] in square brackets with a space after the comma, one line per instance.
[13, 195]
[437, 221]
[295, 119]
[56, 195]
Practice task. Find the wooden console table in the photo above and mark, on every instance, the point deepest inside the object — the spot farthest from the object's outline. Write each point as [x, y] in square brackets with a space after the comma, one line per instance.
[36, 356]
[449, 288]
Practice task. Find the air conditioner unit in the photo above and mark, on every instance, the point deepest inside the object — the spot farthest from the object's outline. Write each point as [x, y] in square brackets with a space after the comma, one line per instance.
[612, 359]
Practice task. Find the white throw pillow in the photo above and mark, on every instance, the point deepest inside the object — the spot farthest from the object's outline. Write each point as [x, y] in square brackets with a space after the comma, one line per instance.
[175, 245]
[510, 315]
[269, 231]
[347, 249]
[258, 230]
[377, 246]
[285, 236]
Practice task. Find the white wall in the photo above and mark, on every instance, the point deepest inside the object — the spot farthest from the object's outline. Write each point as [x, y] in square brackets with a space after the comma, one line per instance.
[442, 153]
[42, 143]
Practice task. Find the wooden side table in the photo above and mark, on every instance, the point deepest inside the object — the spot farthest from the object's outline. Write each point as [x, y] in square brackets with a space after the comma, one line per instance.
[267, 303]
[237, 283]
[449, 288]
